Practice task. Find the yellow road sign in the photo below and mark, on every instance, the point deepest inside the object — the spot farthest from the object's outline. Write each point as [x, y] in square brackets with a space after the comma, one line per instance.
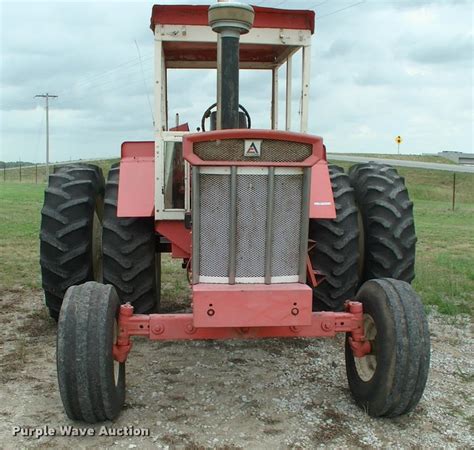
[398, 140]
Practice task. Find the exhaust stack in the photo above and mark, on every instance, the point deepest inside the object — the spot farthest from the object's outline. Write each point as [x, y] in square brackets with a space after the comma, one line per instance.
[230, 20]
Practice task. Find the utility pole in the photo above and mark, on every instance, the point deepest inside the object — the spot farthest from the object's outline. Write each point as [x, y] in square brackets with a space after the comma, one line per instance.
[47, 97]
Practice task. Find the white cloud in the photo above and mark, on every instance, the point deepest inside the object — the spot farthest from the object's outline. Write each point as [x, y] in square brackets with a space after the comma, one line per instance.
[378, 69]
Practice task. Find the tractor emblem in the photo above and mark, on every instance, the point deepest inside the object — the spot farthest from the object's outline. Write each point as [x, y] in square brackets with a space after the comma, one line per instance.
[252, 148]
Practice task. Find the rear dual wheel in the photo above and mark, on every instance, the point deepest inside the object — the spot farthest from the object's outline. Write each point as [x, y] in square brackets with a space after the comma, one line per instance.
[387, 225]
[372, 236]
[130, 258]
[335, 255]
[83, 239]
[71, 229]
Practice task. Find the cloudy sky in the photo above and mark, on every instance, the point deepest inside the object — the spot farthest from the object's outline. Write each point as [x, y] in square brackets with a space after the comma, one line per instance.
[379, 69]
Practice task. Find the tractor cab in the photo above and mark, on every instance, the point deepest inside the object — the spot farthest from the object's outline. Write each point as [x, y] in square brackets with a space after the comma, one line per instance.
[184, 40]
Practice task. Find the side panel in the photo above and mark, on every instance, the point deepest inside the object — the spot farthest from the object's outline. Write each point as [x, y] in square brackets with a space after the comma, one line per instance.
[178, 235]
[321, 204]
[137, 180]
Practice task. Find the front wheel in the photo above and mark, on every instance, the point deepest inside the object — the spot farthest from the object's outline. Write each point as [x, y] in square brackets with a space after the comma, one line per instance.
[91, 382]
[391, 379]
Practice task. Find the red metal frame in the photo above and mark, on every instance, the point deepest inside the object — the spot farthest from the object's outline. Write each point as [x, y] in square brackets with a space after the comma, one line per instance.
[190, 139]
[165, 327]
[321, 201]
[291, 19]
[178, 235]
[136, 191]
[251, 305]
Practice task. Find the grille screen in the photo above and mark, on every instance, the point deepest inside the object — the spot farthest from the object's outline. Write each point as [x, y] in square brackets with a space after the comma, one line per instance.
[233, 150]
[251, 225]
[215, 225]
[286, 224]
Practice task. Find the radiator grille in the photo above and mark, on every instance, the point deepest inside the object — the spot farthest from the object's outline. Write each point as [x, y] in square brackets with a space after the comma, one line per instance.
[251, 225]
[214, 225]
[251, 248]
[233, 150]
[286, 224]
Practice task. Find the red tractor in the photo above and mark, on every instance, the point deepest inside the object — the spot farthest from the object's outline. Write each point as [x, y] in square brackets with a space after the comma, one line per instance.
[276, 242]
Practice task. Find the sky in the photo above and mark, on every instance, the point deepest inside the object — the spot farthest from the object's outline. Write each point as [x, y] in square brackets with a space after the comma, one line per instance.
[379, 69]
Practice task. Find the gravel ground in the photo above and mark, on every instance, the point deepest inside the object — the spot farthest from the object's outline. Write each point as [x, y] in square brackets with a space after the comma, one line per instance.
[235, 394]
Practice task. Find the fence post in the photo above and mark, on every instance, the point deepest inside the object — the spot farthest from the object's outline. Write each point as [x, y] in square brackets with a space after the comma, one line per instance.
[20, 171]
[36, 173]
[454, 190]
[4, 172]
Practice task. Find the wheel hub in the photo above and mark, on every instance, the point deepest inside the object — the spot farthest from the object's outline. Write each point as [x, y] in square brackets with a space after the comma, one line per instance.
[367, 365]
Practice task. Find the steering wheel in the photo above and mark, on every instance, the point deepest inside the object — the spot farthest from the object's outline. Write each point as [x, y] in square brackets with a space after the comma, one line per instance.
[208, 112]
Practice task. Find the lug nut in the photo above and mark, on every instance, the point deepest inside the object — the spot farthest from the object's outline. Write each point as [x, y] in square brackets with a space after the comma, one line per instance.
[327, 326]
[158, 329]
[189, 328]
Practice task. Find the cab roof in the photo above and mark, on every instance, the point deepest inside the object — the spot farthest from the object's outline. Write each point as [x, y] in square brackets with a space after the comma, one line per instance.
[191, 53]
[291, 19]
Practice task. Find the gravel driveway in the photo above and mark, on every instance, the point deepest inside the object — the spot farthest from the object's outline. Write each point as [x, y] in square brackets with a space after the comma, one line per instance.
[235, 394]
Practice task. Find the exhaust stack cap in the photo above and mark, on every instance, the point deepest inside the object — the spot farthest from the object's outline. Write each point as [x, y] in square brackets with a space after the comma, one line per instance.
[231, 17]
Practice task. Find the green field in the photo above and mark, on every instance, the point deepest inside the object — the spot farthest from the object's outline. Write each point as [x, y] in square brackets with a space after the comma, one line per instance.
[445, 251]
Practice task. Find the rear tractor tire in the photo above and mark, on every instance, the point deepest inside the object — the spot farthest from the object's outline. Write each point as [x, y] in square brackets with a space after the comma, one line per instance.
[391, 379]
[91, 381]
[388, 236]
[131, 262]
[71, 231]
[335, 254]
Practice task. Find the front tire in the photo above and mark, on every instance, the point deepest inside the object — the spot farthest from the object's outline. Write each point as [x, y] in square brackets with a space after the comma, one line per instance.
[390, 381]
[91, 382]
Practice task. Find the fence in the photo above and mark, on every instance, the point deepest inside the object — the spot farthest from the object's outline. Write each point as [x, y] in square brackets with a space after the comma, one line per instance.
[37, 173]
[424, 183]
[25, 174]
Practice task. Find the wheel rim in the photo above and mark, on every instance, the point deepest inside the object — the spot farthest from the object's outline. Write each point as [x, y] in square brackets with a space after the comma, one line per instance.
[97, 247]
[116, 363]
[367, 365]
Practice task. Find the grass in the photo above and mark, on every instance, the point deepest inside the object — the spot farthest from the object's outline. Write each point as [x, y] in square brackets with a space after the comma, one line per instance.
[445, 251]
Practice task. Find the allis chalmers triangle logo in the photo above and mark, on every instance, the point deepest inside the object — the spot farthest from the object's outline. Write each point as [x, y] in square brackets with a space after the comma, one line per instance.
[252, 148]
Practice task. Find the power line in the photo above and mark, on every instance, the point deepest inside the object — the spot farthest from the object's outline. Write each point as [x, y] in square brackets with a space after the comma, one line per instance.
[117, 80]
[339, 10]
[87, 81]
[123, 82]
[318, 4]
[144, 84]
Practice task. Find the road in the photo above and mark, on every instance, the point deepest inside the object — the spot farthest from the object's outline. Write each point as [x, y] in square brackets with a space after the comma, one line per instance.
[403, 163]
